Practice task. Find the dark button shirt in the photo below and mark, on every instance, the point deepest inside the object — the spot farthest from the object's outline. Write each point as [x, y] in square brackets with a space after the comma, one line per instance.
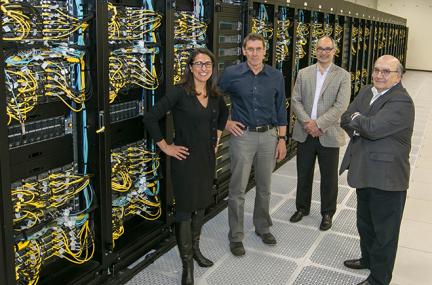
[256, 100]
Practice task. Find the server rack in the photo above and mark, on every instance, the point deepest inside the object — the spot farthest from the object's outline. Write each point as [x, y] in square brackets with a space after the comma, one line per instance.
[42, 162]
[225, 40]
[140, 218]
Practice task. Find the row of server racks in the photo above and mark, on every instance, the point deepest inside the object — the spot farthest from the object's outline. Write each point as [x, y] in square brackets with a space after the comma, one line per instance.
[86, 197]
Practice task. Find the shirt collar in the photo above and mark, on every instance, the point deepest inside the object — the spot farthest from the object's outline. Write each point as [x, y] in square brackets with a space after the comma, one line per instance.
[375, 91]
[326, 70]
[245, 68]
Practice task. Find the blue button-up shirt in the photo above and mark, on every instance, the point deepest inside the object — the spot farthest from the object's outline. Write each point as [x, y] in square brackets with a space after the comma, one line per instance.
[256, 100]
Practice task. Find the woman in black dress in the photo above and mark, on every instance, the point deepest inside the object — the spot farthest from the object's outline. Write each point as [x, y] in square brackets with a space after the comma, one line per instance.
[199, 114]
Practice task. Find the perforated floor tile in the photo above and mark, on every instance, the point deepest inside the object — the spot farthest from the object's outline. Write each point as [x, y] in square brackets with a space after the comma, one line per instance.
[283, 184]
[334, 249]
[292, 241]
[287, 209]
[218, 228]
[250, 201]
[343, 179]
[345, 222]
[252, 269]
[154, 278]
[312, 275]
[288, 169]
[343, 191]
[170, 265]
[352, 201]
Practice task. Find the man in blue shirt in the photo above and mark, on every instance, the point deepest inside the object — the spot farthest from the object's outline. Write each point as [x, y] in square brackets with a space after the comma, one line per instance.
[258, 128]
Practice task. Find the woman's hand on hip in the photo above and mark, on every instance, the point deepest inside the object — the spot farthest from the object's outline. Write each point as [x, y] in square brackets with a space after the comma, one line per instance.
[176, 151]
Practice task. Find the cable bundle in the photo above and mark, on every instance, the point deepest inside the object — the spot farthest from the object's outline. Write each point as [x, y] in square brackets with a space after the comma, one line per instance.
[364, 75]
[35, 76]
[328, 29]
[135, 183]
[381, 38]
[302, 34]
[44, 198]
[133, 64]
[355, 79]
[50, 221]
[189, 33]
[302, 31]
[70, 238]
[360, 37]
[366, 37]
[131, 23]
[128, 69]
[283, 39]
[338, 37]
[354, 33]
[263, 26]
[32, 20]
[187, 27]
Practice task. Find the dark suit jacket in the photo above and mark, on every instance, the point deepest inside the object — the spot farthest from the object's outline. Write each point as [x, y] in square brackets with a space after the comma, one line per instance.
[379, 157]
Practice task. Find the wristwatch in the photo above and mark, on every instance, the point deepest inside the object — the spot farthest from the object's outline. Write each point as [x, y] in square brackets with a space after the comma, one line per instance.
[285, 138]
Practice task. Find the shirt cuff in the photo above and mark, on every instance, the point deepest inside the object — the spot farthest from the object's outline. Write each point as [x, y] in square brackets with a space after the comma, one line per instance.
[355, 115]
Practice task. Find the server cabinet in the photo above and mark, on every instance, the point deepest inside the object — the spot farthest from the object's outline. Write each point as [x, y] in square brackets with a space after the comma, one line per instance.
[285, 61]
[225, 40]
[139, 198]
[48, 189]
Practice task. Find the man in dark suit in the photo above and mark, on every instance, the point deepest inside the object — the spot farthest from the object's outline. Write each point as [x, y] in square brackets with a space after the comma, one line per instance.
[380, 123]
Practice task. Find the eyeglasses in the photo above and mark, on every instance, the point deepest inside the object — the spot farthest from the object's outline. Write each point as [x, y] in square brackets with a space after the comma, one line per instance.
[257, 50]
[327, 49]
[384, 72]
[200, 64]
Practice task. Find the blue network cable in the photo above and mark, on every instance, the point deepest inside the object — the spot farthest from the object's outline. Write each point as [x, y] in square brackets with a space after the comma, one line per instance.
[88, 192]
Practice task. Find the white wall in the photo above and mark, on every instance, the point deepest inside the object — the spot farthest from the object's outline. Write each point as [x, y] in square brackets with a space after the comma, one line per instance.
[368, 3]
[419, 21]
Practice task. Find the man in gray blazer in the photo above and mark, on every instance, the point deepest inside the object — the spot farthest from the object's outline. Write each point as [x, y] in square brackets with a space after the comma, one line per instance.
[380, 123]
[321, 94]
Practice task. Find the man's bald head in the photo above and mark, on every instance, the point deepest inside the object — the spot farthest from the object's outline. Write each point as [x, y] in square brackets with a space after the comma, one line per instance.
[387, 72]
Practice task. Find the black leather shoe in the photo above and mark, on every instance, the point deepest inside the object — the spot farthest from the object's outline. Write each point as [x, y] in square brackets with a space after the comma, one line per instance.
[267, 238]
[237, 248]
[366, 282]
[355, 264]
[298, 215]
[326, 222]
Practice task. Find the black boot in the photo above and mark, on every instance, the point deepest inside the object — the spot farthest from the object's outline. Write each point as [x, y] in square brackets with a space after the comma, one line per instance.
[184, 242]
[197, 221]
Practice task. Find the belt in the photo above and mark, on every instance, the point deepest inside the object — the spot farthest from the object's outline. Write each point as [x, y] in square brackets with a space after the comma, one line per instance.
[259, 129]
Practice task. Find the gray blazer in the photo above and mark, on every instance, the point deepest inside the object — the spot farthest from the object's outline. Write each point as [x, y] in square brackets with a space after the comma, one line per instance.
[333, 101]
[379, 156]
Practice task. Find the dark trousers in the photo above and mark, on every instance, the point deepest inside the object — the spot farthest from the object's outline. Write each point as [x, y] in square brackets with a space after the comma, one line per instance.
[379, 215]
[328, 160]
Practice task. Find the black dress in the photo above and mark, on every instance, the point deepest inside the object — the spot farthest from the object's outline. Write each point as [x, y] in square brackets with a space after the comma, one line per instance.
[195, 128]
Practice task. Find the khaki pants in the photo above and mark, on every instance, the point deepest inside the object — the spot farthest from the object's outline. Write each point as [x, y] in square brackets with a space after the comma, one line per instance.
[257, 149]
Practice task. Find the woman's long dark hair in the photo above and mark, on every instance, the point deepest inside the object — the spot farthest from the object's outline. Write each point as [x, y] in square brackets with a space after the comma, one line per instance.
[188, 82]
